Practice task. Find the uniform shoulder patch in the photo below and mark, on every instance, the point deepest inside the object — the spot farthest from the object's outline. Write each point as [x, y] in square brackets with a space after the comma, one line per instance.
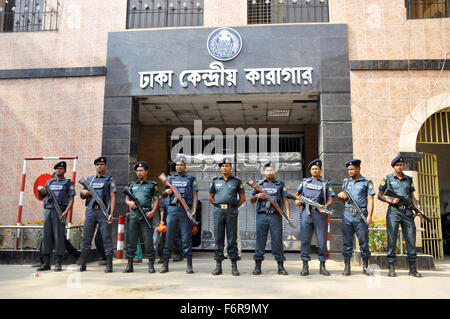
[370, 185]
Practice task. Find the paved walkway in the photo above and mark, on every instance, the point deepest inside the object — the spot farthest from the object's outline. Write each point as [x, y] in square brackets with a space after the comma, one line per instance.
[17, 281]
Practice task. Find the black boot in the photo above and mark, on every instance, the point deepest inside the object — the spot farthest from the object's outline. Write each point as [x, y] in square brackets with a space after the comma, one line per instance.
[347, 271]
[109, 263]
[165, 265]
[189, 269]
[82, 263]
[392, 270]
[45, 265]
[305, 270]
[151, 266]
[281, 270]
[413, 270]
[58, 263]
[257, 270]
[366, 269]
[178, 257]
[218, 270]
[234, 269]
[323, 270]
[129, 267]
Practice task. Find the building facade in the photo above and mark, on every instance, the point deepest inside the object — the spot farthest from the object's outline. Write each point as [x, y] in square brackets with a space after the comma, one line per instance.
[335, 79]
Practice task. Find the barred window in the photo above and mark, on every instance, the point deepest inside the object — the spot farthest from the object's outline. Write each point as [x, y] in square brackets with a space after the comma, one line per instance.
[287, 11]
[164, 13]
[427, 9]
[29, 15]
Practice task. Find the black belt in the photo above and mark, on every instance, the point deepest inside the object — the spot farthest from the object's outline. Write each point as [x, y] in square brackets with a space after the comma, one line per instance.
[354, 210]
[178, 204]
[267, 212]
[401, 207]
[225, 206]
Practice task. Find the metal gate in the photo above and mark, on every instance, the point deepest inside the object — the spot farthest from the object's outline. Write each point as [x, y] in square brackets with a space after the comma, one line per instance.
[290, 170]
[430, 204]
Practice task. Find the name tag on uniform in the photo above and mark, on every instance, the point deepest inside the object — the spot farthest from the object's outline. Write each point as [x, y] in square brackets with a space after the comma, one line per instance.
[56, 187]
[219, 184]
[315, 187]
[98, 185]
[179, 184]
[270, 191]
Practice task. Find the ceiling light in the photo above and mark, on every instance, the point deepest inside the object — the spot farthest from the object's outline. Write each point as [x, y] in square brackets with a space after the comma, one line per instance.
[278, 113]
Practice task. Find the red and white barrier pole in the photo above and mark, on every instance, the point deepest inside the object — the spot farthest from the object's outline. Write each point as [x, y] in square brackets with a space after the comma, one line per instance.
[22, 190]
[120, 237]
[69, 219]
[328, 237]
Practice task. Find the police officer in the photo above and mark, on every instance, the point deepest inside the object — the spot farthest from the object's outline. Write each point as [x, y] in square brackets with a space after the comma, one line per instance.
[54, 225]
[363, 192]
[402, 185]
[176, 214]
[319, 190]
[268, 218]
[223, 194]
[105, 186]
[146, 192]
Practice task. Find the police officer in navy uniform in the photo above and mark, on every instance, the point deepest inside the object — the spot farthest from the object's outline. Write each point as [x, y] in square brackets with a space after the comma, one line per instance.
[146, 192]
[268, 218]
[54, 225]
[105, 186]
[402, 185]
[226, 194]
[176, 214]
[363, 191]
[319, 190]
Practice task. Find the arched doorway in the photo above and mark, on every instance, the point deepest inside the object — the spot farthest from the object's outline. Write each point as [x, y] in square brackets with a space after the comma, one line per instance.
[426, 130]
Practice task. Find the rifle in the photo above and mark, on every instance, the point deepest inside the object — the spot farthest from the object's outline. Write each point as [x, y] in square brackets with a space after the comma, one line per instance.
[166, 182]
[408, 203]
[352, 200]
[128, 192]
[55, 202]
[95, 196]
[257, 188]
[311, 203]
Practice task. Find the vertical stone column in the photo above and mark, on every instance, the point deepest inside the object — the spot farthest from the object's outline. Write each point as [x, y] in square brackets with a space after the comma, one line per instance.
[119, 145]
[335, 149]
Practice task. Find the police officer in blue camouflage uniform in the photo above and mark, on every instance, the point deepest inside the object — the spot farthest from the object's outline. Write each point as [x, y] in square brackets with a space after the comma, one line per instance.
[105, 186]
[268, 218]
[146, 192]
[363, 191]
[54, 225]
[319, 190]
[402, 185]
[176, 214]
[226, 194]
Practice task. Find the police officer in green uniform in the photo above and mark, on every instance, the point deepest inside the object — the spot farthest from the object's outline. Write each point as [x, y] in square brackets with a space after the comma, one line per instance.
[54, 225]
[146, 193]
[226, 193]
[402, 185]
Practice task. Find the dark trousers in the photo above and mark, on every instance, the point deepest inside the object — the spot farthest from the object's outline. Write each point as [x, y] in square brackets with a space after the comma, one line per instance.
[394, 218]
[69, 247]
[99, 245]
[176, 216]
[53, 233]
[225, 220]
[352, 224]
[137, 226]
[94, 217]
[264, 223]
[316, 222]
